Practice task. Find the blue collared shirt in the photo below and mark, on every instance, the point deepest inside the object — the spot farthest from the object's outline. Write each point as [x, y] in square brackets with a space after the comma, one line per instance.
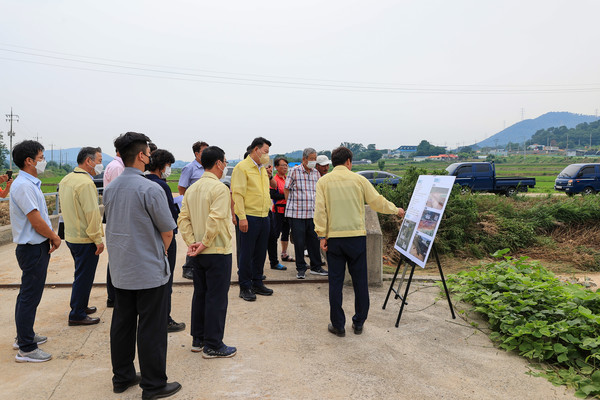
[190, 174]
[26, 196]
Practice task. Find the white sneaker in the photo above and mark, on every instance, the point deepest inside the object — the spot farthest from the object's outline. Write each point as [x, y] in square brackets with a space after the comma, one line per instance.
[38, 339]
[38, 355]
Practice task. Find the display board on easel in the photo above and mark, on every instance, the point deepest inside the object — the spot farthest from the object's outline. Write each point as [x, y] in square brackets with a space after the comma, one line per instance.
[418, 230]
[423, 217]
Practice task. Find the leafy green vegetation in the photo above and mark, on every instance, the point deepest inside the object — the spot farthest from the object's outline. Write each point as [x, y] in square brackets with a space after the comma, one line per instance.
[476, 225]
[580, 136]
[532, 312]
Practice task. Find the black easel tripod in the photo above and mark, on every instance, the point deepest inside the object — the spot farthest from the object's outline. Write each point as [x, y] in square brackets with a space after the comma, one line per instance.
[412, 271]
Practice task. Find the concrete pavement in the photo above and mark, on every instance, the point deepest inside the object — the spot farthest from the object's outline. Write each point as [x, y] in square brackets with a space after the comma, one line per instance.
[284, 348]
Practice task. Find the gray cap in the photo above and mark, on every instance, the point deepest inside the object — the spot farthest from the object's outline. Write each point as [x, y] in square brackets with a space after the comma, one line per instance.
[323, 160]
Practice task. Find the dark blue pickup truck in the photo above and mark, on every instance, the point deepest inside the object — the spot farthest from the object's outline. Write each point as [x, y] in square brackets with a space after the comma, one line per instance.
[579, 178]
[481, 177]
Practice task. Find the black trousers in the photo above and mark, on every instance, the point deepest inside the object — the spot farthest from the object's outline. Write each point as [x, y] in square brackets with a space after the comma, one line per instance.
[212, 278]
[353, 252]
[150, 307]
[172, 257]
[86, 262]
[303, 232]
[279, 227]
[33, 260]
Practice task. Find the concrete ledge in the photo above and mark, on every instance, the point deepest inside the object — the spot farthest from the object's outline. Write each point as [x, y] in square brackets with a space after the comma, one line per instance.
[6, 230]
[374, 250]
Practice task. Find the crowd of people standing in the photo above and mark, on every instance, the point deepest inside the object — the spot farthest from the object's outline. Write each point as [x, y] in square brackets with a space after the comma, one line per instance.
[324, 212]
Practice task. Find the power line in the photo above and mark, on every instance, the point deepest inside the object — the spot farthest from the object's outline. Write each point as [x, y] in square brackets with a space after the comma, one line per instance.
[360, 87]
[268, 76]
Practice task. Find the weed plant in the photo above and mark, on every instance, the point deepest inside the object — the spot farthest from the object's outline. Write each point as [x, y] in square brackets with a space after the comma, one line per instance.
[533, 313]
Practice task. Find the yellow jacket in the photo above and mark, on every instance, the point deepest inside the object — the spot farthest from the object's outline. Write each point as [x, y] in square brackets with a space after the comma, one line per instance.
[340, 204]
[206, 215]
[250, 189]
[79, 207]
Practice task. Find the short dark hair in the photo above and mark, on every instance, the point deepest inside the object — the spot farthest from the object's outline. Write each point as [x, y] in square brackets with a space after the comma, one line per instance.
[210, 156]
[278, 159]
[24, 150]
[340, 155]
[152, 146]
[129, 145]
[160, 158]
[259, 141]
[86, 152]
[198, 146]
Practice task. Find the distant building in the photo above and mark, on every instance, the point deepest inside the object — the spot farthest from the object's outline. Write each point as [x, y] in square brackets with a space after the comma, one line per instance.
[443, 157]
[402, 151]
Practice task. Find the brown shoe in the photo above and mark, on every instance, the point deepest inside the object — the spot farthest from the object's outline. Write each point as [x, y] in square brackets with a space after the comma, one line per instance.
[86, 321]
[91, 310]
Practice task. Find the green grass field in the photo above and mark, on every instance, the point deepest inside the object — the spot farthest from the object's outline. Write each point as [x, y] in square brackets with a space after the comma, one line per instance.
[543, 168]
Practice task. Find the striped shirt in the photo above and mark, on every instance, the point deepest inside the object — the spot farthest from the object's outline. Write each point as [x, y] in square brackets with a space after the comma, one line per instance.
[302, 188]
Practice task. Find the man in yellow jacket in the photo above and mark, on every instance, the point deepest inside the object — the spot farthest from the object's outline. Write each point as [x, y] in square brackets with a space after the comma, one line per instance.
[340, 225]
[204, 222]
[250, 191]
[83, 230]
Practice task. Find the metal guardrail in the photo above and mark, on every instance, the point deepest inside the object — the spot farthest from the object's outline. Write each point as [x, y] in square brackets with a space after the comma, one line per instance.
[57, 200]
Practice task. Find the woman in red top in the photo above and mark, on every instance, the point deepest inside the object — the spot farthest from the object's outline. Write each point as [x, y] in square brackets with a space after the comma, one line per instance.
[279, 224]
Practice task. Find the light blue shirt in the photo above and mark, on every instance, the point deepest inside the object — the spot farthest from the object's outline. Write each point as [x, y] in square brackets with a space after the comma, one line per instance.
[25, 196]
[190, 174]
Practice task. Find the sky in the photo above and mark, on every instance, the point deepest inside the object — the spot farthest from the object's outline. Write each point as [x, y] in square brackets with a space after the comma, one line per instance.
[301, 74]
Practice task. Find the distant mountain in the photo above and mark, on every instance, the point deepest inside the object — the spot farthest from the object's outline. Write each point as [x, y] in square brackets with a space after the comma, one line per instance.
[294, 154]
[525, 129]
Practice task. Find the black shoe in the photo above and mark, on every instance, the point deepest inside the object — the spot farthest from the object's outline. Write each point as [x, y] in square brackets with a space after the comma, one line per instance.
[121, 387]
[86, 321]
[247, 294]
[262, 290]
[188, 274]
[173, 326]
[357, 329]
[90, 310]
[336, 331]
[110, 303]
[169, 390]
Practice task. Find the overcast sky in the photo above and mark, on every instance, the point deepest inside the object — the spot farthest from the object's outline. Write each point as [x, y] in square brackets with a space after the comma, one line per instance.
[307, 73]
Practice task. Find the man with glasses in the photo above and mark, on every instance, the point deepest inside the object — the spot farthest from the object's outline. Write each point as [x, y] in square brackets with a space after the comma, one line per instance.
[204, 222]
[250, 191]
[35, 240]
[139, 230]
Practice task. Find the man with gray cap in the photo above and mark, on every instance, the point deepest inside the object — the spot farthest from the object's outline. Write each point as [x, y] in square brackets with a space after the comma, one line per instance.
[323, 163]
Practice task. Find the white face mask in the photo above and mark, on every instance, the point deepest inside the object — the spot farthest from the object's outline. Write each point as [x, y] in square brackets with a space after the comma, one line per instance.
[311, 164]
[166, 172]
[40, 167]
[98, 168]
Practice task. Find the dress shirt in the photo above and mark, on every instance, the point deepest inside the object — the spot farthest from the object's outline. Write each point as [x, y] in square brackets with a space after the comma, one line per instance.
[340, 204]
[302, 186]
[172, 206]
[113, 169]
[136, 214]
[206, 215]
[79, 208]
[250, 189]
[190, 174]
[25, 196]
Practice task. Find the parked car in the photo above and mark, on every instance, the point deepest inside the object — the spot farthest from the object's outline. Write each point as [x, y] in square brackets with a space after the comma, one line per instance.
[379, 177]
[226, 178]
[481, 177]
[579, 178]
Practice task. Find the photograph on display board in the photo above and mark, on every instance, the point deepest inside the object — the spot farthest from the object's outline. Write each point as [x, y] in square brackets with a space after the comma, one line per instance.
[437, 197]
[428, 222]
[405, 234]
[420, 247]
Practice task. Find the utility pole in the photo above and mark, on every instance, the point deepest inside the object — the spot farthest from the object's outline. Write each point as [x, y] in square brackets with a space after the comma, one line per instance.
[52, 152]
[10, 118]
[37, 137]
[522, 114]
